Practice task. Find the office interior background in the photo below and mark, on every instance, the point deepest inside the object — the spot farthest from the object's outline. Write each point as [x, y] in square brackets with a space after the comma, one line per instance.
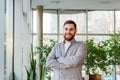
[23, 22]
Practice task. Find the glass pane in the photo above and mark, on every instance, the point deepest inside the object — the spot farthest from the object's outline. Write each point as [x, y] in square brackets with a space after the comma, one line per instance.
[108, 76]
[80, 38]
[50, 37]
[34, 22]
[50, 23]
[35, 41]
[61, 38]
[99, 38]
[79, 18]
[117, 20]
[117, 72]
[100, 22]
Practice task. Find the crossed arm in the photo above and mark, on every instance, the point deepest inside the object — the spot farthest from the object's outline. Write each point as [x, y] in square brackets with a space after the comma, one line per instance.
[67, 62]
[52, 61]
[73, 61]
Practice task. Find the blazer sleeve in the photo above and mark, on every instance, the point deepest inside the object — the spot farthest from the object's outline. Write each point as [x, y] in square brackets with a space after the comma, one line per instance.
[52, 62]
[73, 61]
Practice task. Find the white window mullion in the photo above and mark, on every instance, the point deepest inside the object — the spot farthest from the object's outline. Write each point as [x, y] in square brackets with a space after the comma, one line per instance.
[2, 36]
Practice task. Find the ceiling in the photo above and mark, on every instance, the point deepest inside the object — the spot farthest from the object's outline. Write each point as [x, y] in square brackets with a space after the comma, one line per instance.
[77, 4]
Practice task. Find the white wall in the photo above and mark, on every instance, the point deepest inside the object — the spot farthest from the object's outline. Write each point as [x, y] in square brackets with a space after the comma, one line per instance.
[22, 38]
[9, 37]
[27, 38]
[2, 36]
[18, 49]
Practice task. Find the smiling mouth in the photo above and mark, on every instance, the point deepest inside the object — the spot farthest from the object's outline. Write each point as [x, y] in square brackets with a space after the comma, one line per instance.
[69, 34]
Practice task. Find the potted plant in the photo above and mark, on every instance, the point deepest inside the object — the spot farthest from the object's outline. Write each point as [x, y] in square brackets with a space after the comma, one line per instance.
[97, 59]
[44, 50]
[31, 72]
[114, 48]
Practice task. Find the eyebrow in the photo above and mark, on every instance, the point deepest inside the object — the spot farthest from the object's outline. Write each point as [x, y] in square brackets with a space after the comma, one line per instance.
[69, 28]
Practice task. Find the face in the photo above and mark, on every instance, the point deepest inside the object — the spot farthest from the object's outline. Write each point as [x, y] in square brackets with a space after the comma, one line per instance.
[69, 32]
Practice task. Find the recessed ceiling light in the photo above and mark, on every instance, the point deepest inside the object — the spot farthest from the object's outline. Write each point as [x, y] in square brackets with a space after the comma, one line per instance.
[56, 1]
[105, 2]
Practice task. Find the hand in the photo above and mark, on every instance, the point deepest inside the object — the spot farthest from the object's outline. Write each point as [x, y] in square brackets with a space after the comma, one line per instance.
[67, 67]
[56, 57]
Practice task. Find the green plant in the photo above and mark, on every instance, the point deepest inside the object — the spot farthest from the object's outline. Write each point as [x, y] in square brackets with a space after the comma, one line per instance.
[12, 76]
[114, 48]
[97, 58]
[31, 73]
[45, 50]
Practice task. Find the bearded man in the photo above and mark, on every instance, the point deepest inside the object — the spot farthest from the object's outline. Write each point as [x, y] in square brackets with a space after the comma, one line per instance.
[66, 58]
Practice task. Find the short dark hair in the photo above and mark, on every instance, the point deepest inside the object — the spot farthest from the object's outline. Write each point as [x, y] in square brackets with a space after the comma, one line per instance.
[70, 22]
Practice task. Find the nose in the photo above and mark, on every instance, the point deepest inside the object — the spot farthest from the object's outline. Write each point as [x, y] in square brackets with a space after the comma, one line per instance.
[68, 31]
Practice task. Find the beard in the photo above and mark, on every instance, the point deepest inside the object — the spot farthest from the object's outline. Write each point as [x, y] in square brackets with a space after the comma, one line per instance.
[69, 38]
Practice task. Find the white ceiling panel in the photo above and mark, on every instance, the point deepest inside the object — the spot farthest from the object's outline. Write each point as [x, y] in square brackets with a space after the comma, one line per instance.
[77, 4]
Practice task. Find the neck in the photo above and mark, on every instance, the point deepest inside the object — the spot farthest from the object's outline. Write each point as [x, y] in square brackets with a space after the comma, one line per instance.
[67, 41]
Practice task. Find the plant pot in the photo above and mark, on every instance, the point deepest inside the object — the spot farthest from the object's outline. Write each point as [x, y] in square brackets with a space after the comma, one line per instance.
[95, 77]
[83, 78]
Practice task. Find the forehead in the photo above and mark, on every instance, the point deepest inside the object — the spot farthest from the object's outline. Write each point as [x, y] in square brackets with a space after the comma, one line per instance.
[69, 26]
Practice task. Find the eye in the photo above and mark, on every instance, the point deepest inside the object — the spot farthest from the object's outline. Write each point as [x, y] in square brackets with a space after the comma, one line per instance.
[66, 29]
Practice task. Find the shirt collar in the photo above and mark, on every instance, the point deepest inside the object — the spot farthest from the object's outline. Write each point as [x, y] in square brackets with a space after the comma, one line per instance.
[72, 41]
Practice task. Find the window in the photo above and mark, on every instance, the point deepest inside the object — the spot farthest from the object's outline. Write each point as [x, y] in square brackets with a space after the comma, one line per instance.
[90, 24]
[100, 22]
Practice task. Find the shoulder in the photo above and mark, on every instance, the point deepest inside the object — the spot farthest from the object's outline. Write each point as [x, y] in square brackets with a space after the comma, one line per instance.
[79, 43]
[57, 45]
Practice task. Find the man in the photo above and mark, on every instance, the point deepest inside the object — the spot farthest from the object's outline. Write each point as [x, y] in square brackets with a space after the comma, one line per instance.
[67, 57]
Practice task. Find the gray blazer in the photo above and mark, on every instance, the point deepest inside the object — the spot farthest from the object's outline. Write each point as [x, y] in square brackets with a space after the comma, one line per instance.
[74, 57]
